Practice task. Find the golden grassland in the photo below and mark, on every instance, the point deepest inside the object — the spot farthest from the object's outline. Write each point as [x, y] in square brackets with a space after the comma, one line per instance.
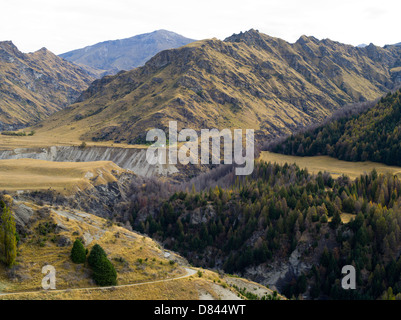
[144, 270]
[345, 217]
[136, 258]
[170, 290]
[190, 288]
[44, 139]
[65, 177]
[331, 165]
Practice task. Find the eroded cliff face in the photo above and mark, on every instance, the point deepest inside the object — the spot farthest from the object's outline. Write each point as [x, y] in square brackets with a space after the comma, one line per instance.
[279, 273]
[107, 200]
[133, 159]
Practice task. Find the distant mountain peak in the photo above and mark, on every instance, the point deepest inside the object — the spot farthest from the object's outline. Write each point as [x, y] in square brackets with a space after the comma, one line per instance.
[111, 56]
[43, 51]
[7, 43]
[9, 52]
[164, 31]
[305, 39]
[395, 44]
[9, 46]
[246, 36]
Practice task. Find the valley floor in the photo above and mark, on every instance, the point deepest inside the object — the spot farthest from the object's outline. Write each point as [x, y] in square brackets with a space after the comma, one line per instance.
[331, 165]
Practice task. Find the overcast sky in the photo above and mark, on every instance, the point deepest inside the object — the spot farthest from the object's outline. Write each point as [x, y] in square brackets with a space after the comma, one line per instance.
[64, 25]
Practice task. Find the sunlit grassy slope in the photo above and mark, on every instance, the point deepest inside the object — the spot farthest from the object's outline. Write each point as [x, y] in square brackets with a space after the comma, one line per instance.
[65, 177]
[136, 258]
[145, 270]
[334, 166]
[44, 139]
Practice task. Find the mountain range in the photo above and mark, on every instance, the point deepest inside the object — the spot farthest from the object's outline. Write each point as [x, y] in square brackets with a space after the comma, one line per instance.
[282, 226]
[249, 80]
[34, 85]
[109, 57]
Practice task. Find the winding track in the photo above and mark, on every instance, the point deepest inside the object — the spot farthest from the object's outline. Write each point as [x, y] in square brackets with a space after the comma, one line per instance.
[189, 273]
[80, 217]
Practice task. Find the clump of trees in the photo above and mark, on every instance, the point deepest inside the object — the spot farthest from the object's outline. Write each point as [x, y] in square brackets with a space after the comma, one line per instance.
[276, 203]
[18, 134]
[262, 217]
[103, 271]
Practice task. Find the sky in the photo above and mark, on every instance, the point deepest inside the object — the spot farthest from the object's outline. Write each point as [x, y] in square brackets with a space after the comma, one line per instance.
[64, 25]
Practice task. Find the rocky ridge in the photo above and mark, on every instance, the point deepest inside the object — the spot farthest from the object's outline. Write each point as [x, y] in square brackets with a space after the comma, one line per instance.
[249, 80]
[34, 85]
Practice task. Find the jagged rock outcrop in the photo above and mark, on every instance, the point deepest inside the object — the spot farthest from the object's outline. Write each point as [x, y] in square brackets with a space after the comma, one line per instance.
[23, 215]
[104, 200]
[279, 273]
[131, 159]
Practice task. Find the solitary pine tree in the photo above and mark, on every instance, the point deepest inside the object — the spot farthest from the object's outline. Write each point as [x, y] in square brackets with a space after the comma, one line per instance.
[8, 240]
[78, 252]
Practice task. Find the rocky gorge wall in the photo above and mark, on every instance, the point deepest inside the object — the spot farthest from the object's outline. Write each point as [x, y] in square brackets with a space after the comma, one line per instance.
[133, 159]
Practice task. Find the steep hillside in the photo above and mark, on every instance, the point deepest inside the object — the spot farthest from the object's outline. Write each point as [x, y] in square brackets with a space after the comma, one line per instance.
[145, 270]
[284, 227]
[373, 135]
[34, 85]
[250, 80]
[112, 56]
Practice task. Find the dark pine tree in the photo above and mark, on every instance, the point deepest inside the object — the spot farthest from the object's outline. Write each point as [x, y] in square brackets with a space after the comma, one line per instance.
[78, 252]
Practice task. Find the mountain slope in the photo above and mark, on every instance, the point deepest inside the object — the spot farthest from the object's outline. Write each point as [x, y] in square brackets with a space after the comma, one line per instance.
[109, 57]
[250, 80]
[145, 270]
[34, 85]
[283, 227]
[373, 135]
